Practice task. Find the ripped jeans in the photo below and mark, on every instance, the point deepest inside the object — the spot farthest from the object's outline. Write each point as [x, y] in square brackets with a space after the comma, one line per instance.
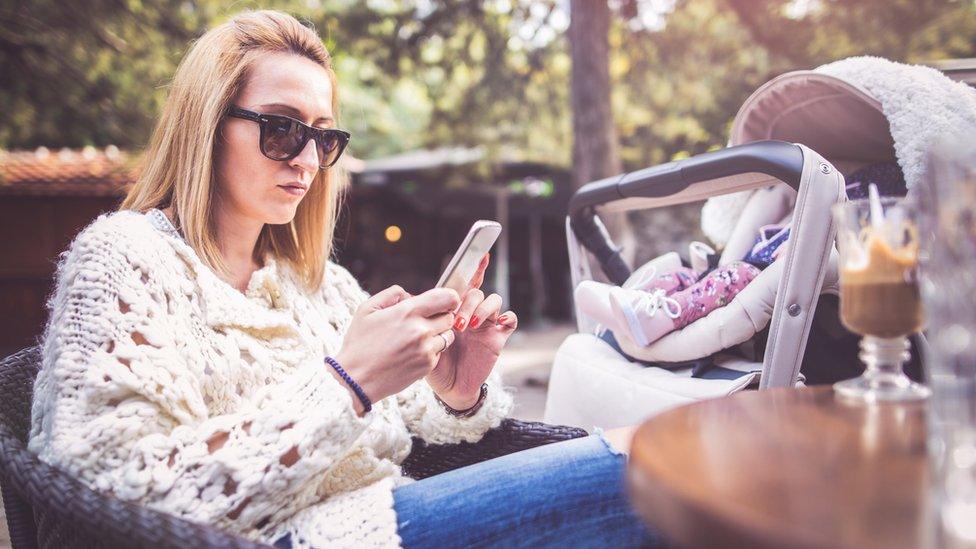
[569, 493]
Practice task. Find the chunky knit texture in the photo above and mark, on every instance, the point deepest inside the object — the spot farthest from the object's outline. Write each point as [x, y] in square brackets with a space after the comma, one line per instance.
[163, 385]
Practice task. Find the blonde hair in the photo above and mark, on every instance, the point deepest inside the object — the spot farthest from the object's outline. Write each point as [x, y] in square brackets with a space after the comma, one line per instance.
[178, 166]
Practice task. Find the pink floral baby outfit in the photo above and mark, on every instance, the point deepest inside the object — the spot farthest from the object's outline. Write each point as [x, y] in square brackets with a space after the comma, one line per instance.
[649, 315]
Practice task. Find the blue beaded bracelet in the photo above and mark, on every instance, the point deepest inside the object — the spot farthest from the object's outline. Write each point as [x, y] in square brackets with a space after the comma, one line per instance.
[348, 379]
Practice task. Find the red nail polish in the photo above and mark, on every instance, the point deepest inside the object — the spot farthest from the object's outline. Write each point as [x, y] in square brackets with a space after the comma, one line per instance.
[474, 321]
[459, 324]
[502, 319]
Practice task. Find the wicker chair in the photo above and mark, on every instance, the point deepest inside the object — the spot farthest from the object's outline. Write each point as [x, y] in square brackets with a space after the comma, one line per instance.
[48, 508]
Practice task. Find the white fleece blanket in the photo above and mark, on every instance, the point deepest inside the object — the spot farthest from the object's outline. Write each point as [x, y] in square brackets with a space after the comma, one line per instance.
[919, 102]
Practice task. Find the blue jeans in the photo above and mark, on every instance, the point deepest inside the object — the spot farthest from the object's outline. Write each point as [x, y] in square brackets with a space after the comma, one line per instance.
[567, 493]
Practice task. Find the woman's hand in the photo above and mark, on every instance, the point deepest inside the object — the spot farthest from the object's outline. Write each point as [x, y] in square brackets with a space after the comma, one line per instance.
[394, 340]
[481, 333]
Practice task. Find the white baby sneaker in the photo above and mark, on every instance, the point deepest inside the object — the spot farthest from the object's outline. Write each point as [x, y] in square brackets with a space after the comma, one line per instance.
[593, 298]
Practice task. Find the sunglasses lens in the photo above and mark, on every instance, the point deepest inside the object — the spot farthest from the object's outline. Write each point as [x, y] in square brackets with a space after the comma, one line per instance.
[282, 138]
[330, 147]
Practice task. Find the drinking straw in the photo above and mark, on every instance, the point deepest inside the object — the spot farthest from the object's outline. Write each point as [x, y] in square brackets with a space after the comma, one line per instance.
[877, 212]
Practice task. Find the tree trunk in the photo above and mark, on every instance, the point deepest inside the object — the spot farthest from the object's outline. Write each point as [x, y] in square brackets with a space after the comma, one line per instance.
[595, 147]
[596, 152]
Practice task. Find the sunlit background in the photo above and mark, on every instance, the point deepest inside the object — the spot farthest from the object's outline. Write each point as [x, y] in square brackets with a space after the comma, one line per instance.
[459, 110]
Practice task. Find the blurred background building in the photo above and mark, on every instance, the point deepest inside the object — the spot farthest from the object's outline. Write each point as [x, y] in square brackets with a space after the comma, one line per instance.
[403, 218]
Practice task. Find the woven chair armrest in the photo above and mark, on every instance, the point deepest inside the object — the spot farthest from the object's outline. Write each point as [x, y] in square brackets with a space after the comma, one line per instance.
[93, 519]
[426, 460]
[17, 373]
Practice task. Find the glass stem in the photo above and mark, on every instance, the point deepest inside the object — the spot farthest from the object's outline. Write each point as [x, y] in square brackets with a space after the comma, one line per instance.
[884, 358]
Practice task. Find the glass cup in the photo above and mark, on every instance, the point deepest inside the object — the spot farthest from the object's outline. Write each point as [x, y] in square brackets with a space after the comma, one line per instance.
[879, 295]
[947, 224]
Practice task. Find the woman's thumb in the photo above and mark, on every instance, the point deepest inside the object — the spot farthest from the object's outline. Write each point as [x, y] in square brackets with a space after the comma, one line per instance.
[386, 298]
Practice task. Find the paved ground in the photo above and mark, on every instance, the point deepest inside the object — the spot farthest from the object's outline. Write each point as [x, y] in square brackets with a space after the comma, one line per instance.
[524, 364]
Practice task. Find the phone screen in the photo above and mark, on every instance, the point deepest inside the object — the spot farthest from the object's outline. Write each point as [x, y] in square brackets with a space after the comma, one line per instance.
[464, 265]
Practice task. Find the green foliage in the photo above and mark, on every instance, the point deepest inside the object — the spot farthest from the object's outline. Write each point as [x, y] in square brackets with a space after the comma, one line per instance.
[88, 73]
[454, 72]
[680, 86]
[427, 73]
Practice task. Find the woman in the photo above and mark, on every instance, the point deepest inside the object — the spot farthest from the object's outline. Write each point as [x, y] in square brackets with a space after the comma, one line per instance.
[204, 358]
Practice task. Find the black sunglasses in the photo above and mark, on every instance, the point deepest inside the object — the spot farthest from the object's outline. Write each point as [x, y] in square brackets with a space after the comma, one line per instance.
[283, 137]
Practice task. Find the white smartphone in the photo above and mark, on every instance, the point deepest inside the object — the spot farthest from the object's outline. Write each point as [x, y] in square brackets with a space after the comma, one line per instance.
[464, 264]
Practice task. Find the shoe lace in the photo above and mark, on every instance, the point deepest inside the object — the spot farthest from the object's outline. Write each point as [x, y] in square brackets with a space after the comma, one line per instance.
[655, 301]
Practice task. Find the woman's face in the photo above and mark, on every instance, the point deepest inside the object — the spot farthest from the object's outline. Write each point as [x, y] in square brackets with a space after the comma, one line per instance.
[252, 187]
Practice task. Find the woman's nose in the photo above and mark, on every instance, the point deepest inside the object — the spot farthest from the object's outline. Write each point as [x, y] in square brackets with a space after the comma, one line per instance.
[308, 159]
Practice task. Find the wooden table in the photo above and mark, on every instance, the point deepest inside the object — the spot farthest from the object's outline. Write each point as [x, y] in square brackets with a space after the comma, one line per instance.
[785, 468]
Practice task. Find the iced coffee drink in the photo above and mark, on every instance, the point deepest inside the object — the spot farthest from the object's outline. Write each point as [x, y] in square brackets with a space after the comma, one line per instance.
[879, 295]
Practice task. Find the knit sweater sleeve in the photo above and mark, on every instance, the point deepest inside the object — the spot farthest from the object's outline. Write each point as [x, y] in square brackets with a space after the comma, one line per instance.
[341, 293]
[119, 402]
[422, 414]
[427, 418]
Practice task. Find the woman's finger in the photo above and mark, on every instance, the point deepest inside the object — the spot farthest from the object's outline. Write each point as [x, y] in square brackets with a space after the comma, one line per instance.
[440, 323]
[479, 277]
[486, 312]
[507, 320]
[472, 298]
[433, 302]
[387, 298]
[439, 342]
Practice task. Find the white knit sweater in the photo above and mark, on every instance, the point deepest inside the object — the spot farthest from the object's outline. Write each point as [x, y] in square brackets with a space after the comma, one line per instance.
[150, 359]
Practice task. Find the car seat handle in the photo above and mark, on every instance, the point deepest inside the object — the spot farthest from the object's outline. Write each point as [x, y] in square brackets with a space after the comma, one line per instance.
[777, 159]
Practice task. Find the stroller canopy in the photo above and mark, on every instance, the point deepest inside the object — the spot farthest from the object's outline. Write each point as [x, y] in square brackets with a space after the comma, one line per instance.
[855, 112]
[834, 117]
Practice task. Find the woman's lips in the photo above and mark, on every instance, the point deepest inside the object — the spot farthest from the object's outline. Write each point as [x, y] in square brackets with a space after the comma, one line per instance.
[294, 190]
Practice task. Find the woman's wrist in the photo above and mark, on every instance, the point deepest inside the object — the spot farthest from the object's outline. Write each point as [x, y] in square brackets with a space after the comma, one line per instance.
[463, 405]
[361, 400]
[458, 402]
[357, 406]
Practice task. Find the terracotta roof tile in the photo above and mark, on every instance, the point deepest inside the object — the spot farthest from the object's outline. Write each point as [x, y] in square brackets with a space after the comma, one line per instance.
[73, 172]
[81, 172]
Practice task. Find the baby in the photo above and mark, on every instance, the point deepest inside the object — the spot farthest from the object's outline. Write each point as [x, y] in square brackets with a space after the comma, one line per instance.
[650, 305]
